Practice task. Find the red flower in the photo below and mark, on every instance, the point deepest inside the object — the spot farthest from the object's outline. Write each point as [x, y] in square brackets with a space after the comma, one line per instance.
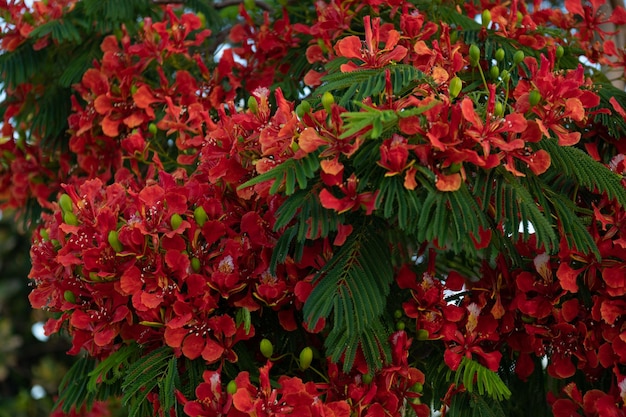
[371, 55]
[352, 200]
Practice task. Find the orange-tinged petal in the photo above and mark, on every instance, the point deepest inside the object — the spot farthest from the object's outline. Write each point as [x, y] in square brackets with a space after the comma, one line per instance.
[349, 47]
[539, 162]
[331, 166]
[143, 97]
[309, 140]
[575, 109]
[448, 182]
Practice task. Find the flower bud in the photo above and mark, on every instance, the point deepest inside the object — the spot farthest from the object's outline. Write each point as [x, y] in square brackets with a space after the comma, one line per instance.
[486, 17]
[66, 204]
[253, 105]
[231, 387]
[306, 357]
[114, 241]
[518, 57]
[175, 221]
[422, 334]
[267, 349]
[327, 101]
[474, 54]
[499, 55]
[534, 97]
[559, 51]
[200, 216]
[400, 325]
[152, 128]
[69, 296]
[195, 264]
[417, 387]
[498, 109]
[455, 87]
[505, 75]
[367, 378]
[70, 218]
[303, 108]
[494, 72]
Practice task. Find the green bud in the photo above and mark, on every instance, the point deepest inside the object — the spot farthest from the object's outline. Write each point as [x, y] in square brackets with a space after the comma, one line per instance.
[534, 97]
[114, 241]
[66, 204]
[70, 218]
[231, 387]
[253, 105]
[494, 72]
[474, 54]
[69, 296]
[559, 51]
[133, 89]
[267, 349]
[518, 57]
[505, 75]
[306, 357]
[400, 325]
[152, 128]
[303, 108]
[175, 221]
[397, 314]
[455, 87]
[498, 109]
[367, 378]
[422, 334]
[200, 216]
[327, 101]
[499, 55]
[44, 234]
[455, 167]
[417, 387]
[486, 17]
[520, 17]
[195, 264]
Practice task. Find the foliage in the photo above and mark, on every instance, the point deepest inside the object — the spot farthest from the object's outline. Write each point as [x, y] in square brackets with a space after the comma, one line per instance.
[332, 208]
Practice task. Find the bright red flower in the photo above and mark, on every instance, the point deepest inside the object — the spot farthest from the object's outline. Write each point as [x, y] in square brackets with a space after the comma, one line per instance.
[370, 55]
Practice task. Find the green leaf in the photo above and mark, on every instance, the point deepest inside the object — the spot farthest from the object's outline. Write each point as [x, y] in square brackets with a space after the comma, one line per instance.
[353, 287]
[474, 376]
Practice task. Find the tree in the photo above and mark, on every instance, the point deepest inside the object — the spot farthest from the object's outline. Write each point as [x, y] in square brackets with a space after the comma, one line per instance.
[336, 208]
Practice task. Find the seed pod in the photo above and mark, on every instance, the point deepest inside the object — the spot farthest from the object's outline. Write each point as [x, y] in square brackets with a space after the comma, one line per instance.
[455, 87]
[486, 17]
[69, 296]
[66, 204]
[267, 349]
[200, 216]
[175, 221]
[231, 387]
[534, 98]
[499, 55]
[115, 242]
[474, 54]
[306, 357]
[327, 101]
[518, 57]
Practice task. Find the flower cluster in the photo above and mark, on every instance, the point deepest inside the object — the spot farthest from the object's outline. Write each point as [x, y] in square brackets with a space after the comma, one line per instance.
[203, 206]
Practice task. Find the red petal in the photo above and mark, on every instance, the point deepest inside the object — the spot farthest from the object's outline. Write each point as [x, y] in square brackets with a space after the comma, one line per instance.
[349, 47]
[567, 277]
[212, 351]
[193, 345]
